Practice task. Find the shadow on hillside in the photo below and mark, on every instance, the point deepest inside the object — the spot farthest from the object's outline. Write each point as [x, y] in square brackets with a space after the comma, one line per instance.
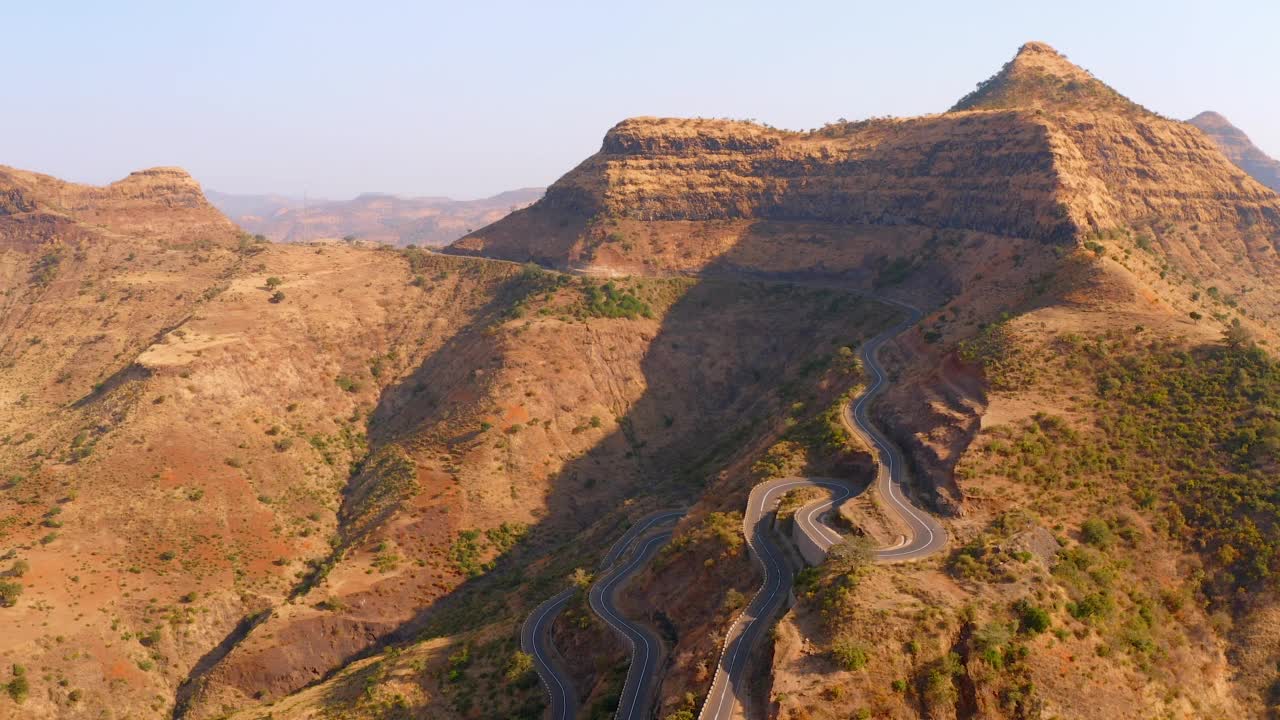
[732, 353]
[710, 388]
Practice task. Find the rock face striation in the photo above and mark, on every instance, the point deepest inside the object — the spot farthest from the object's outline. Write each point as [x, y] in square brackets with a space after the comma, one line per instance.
[159, 201]
[1041, 151]
[1239, 149]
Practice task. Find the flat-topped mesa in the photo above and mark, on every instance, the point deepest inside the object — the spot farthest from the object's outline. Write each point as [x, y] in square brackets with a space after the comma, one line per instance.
[161, 201]
[674, 136]
[991, 174]
[1039, 77]
[1043, 151]
[169, 186]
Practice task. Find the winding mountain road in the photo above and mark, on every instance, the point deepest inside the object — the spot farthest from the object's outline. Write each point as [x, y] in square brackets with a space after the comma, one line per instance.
[926, 534]
[535, 634]
[646, 647]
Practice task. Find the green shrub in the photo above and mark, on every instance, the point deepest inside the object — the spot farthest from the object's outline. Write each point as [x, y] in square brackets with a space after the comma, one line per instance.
[465, 553]
[1092, 606]
[151, 638]
[45, 267]
[519, 667]
[1097, 532]
[849, 655]
[459, 661]
[611, 302]
[9, 593]
[19, 687]
[1032, 619]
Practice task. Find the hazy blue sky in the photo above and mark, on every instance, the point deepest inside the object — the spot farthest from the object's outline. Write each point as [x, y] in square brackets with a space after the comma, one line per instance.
[471, 98]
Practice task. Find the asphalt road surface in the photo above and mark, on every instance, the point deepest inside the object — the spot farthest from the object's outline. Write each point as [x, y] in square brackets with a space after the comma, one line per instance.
[926, 534]
[646, 647]
[535, 634]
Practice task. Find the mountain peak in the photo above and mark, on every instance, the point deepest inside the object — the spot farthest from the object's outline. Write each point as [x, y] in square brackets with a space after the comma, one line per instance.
[1239, 149]
[1040, 77]
[1210, 119]
[1035, 47]
[1218, 127]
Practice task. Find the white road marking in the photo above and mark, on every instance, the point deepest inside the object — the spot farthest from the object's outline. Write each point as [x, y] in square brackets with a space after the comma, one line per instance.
[887, 472]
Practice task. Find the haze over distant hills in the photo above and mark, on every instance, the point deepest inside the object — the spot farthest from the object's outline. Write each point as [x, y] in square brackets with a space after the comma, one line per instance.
[384, 218]
[1239, 149]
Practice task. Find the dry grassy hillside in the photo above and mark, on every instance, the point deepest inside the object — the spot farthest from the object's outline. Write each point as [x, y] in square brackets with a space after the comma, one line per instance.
[182, 407]
[231, 466]
[1046, 216]
[533, 439]
[328, 482]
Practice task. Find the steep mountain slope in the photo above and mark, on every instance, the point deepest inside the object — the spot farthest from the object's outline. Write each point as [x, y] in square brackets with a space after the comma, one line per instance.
[1044, 208]
[232, 466]
[1041, 153]
[179, 417]
[1239, 149]
[1041, 78]
[377, 217]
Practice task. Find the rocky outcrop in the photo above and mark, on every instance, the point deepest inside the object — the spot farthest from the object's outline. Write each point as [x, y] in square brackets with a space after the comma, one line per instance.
[992, 173]
[1239, 149]
[163, 201]
[1043, 151]
[1122, 170]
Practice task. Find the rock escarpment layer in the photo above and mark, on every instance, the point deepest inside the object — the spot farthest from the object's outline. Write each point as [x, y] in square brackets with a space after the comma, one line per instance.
[157, 201]
[1041, 151]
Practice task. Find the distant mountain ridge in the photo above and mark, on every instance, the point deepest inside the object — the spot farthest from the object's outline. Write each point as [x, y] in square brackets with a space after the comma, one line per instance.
[1239, 149]
[378, 217]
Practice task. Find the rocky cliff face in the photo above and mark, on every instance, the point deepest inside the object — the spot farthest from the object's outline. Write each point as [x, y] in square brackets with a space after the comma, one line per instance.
[155, 202]
[1044, 195]
[1042, 152]
[1239, 149]
[993, 174]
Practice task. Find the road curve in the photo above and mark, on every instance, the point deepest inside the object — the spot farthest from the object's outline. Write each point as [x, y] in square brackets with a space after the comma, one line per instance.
[927, 535]
[636, 698]
[535, 637]
[535, 633]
